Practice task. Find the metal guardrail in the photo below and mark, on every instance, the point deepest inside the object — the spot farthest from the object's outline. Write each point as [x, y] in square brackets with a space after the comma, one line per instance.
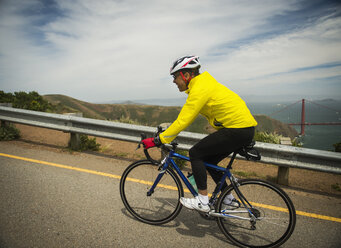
[281, 155]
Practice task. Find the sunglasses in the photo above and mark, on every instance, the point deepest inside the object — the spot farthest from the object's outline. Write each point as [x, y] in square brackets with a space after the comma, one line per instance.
[175, 75]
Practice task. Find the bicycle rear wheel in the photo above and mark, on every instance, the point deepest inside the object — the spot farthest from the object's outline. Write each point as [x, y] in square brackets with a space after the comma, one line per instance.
[162, 205]
[275, 215]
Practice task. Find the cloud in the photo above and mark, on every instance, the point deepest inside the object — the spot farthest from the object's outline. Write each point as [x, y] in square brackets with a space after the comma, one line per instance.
[106, 50]
[308, 54]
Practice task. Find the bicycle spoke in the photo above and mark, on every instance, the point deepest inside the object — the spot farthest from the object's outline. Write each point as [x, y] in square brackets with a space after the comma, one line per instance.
[162, 205]
[272, 220]
[285, 223]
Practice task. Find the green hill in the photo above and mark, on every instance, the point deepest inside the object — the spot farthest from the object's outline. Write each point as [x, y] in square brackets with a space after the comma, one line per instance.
[152, 115]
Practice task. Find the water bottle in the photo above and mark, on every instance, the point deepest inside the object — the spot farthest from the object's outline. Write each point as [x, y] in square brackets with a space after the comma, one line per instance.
[192, 181]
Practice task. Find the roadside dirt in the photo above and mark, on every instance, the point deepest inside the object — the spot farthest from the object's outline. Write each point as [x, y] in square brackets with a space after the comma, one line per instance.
[310, 181]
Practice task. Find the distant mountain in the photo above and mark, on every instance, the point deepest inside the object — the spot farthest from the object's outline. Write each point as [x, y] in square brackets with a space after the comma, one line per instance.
[158, 102]
[249, 99]
[151, 115]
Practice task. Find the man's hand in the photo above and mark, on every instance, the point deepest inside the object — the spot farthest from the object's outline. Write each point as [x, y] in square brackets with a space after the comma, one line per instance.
[151, 142]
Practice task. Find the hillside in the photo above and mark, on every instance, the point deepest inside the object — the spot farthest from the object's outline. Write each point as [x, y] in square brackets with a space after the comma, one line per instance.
[269, 125]
[132, 113]
[152, 115]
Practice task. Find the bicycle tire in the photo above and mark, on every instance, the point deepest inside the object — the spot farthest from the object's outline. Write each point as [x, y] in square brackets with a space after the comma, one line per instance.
[275, 212]
[164, 203]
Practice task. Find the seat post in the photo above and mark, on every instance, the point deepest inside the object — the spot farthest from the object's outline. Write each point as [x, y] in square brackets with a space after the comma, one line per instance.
[229, 166]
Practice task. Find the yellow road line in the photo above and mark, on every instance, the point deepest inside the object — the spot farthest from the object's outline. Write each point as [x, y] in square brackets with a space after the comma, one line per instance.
[311, 215]
[61, 166]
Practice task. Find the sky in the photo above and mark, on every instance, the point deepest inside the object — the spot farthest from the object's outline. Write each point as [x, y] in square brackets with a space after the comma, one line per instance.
[116, 50]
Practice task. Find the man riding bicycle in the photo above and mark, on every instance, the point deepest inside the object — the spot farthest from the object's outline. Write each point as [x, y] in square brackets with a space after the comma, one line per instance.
[225, 111]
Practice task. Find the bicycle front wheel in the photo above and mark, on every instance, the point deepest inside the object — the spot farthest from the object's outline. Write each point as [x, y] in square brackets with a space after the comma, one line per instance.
[268, 222]
[157, 207]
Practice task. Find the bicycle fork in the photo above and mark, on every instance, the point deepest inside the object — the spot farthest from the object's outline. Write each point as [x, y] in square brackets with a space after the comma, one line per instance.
[163, 168]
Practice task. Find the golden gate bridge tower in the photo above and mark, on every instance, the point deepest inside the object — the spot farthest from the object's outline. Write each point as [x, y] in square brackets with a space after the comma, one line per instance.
[303, 123]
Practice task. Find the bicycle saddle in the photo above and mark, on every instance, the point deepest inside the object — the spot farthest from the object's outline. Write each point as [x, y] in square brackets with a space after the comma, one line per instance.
[249, 152]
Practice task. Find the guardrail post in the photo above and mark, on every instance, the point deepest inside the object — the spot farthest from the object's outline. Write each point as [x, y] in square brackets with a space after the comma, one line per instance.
[75, 141]
[283, 171]
[2, 122]
[283, 175]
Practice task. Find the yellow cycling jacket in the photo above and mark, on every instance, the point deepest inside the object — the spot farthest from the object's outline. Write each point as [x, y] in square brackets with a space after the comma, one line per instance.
[222, 107]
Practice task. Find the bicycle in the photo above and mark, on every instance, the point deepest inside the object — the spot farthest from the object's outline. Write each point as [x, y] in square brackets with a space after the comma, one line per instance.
[265, 217]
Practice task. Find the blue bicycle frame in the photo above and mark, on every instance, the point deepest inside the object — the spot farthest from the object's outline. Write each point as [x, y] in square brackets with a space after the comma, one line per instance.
[227, 213]
[169, 160]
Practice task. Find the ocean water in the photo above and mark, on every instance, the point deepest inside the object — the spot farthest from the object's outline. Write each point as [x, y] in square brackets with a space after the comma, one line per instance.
[320, 137]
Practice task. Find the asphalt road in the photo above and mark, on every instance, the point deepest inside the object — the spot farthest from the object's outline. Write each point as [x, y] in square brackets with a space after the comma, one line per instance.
[50, 198]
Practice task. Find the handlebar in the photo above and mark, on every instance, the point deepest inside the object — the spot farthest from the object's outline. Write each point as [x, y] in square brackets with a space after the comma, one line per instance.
[163, 147]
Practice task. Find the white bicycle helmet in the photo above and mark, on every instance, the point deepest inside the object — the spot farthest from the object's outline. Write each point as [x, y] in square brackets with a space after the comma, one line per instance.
[186, 62]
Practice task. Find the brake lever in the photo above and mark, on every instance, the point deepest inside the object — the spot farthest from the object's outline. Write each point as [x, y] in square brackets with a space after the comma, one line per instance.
[159, 130]
[143, 136]
[138, 146]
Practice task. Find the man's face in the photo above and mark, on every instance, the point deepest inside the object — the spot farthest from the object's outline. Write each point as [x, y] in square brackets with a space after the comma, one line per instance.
[179, 81]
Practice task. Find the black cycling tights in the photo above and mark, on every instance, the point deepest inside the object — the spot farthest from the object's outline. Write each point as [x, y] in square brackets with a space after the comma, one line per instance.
[214, 148]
